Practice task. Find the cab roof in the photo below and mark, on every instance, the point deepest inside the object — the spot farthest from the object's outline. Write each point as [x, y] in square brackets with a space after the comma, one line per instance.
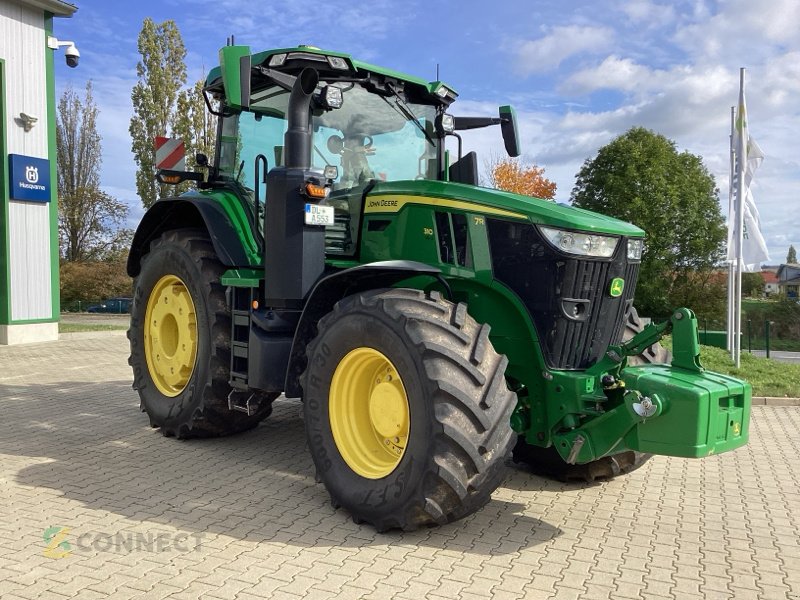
[442, 91]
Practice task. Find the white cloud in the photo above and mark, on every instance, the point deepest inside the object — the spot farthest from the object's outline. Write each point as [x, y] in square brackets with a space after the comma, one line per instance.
[743, 30]
[650, 14]
[560, 43]
[613, 73]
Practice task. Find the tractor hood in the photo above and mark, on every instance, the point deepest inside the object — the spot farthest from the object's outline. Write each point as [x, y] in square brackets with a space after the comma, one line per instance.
[392, 196]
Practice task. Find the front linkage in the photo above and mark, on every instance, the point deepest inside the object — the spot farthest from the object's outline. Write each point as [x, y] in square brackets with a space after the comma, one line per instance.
[677, 410]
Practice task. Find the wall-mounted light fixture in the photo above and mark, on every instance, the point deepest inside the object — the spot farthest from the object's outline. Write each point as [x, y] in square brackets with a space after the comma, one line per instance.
[27, 121]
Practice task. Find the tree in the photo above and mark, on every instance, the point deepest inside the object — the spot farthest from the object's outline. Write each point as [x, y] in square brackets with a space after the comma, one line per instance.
[162, 74]
[93, 281]
[791, 257]
[513, 176]
[641, 178]
[752, 285]
[194, 124]
[88, 218]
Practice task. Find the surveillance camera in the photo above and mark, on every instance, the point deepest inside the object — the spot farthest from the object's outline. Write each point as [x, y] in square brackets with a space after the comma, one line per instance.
[72, 55]
[70, 51]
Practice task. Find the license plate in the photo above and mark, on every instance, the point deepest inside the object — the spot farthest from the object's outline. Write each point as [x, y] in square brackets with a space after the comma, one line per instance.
[317, 214]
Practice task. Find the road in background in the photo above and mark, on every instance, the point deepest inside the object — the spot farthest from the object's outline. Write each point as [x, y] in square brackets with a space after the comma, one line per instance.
[96, 319]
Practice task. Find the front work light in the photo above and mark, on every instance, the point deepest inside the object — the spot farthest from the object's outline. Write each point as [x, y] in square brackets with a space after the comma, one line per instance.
[277, 60]
[448, 123]
[582, 244]
[331, 96]
[337, 62]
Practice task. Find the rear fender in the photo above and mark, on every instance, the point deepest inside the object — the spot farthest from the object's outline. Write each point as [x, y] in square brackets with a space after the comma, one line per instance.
[189, 211]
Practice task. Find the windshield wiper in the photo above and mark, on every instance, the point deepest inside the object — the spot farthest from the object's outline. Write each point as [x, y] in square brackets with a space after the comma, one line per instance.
[403, 108]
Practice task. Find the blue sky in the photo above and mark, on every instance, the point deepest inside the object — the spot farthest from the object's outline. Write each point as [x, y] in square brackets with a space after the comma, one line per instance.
[578, 73]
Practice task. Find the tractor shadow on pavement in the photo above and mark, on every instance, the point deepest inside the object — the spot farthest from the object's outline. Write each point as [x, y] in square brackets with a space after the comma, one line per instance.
[90, 443]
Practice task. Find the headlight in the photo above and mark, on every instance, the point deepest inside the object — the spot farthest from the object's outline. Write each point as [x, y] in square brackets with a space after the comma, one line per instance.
[584, 244]
[635, 248]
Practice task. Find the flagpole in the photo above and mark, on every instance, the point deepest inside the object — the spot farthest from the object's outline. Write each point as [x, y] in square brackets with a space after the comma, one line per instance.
[729, 322]
[741, 156]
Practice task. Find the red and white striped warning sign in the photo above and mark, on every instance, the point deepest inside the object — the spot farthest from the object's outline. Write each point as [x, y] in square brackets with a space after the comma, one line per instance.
[170, 154]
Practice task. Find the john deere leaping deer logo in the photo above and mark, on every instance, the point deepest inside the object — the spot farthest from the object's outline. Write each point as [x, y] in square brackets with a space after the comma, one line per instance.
[32, 174]
[57, 544]
[617, 285]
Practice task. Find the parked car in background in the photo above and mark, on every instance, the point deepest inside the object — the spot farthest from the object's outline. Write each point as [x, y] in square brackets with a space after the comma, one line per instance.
[112, 305]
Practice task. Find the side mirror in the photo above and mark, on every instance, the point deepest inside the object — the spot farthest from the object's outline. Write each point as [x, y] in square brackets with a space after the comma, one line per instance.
[201, 159]
[508, 126]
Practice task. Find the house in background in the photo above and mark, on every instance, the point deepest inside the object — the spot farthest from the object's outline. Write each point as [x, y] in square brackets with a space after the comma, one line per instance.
[789, 280]
[770, 282]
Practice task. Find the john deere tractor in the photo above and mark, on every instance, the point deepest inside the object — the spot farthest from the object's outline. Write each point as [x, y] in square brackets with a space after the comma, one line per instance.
[335, 251]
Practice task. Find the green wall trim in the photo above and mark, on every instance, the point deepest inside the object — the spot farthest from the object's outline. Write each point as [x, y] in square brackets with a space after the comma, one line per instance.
[5, 267]
[52, 152]
[32, 321]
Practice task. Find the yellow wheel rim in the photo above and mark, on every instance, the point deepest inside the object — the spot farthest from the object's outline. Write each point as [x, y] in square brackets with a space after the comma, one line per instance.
[369, 414]
[170, 335]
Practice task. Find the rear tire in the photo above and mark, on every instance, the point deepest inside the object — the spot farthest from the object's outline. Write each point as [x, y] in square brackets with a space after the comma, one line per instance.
[183, 263]
[452, 450]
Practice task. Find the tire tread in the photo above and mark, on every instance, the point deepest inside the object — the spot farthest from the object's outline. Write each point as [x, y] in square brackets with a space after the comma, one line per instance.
[472, 404]
[211, 417]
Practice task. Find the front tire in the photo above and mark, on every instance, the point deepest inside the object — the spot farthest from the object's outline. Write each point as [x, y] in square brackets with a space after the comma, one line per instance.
[406, 408]
[655, 354]
[180, 340]
[548, 462]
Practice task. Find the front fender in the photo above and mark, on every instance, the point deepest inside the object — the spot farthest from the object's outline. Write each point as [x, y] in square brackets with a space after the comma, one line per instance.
[329, 290]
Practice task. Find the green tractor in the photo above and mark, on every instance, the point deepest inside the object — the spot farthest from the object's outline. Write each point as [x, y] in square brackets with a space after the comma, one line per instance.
[334, 251]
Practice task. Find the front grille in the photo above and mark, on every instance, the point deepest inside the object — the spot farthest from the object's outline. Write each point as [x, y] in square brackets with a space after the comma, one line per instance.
[575, 317]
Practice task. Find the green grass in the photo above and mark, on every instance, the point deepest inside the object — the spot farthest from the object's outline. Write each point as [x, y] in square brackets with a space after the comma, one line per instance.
[78, 327]
[767, 376]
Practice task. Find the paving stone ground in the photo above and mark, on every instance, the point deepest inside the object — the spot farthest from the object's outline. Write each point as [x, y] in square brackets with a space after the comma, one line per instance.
[136, 515]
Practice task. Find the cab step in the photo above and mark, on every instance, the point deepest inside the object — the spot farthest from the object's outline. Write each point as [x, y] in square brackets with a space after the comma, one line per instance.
[244, 402]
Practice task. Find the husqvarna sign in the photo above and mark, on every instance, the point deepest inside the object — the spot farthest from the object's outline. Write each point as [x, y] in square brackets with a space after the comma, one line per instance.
[30, 178]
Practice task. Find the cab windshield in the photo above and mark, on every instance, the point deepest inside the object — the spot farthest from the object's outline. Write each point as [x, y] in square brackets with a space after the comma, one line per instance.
[369, 138]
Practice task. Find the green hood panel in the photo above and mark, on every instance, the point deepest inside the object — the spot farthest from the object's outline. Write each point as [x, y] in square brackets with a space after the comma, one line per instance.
[534, 209]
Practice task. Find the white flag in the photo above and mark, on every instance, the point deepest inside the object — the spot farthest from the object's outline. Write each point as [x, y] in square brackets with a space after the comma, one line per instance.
[748, 158]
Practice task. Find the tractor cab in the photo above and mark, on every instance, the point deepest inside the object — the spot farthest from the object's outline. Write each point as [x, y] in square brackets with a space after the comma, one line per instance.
[368, 125]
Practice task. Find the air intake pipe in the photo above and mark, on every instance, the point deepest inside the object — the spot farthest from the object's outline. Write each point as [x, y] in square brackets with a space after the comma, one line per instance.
[298, 134]
[294, 253]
